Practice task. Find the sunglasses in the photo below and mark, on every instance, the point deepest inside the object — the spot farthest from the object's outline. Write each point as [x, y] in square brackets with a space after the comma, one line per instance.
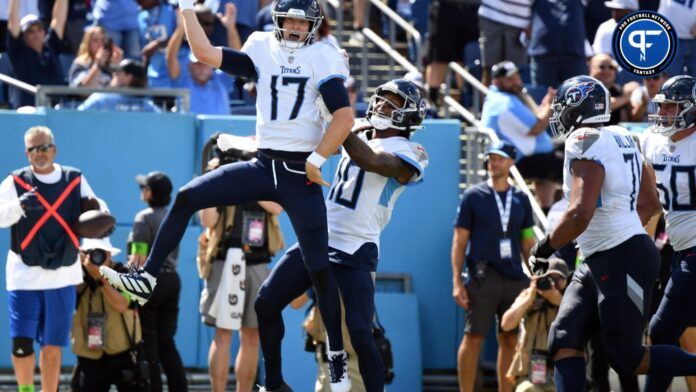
[40, 148]
[607, 67]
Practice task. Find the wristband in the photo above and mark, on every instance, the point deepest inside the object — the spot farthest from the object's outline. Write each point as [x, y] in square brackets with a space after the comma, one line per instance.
[544, 248]
[186, 4]
[316, 159]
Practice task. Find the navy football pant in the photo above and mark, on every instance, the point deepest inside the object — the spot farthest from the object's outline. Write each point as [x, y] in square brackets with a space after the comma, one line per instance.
[677, 310]
[281, 180]
[287, 281]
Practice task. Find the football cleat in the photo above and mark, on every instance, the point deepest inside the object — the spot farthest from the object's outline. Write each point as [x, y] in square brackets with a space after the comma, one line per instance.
[137, 284]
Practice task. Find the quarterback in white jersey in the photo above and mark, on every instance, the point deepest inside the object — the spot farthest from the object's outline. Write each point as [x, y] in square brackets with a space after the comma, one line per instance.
[671, 148]
[291, 71]
[611, 194]
[372, 173]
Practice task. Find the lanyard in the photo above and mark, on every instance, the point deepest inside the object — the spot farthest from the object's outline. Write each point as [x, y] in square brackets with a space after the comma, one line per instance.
[503, 212]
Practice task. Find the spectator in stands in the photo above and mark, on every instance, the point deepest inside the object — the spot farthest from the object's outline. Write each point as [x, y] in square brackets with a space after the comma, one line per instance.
[264, 19]
[557, 44]
[27, 7]
[74, 27]
[247, 10]
[595, 14]
[209, 88]
[535, 309]
[448, 37]
[360, 8]
[604, 68]
[514, 117]
[502, 26]
[105, 329]
[33, 52]
[682, 14]
[95, 58]
[160, 315]
[641, 99]
[42, 266]
[602, 40]
[243, 238]
[157, 22]
[496, 220]
[128, 74]
[119, 18]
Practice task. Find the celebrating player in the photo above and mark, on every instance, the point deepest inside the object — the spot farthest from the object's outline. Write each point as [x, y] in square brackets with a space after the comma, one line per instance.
[611, 195]
[290, 71]
[374, 169]
[671, 149]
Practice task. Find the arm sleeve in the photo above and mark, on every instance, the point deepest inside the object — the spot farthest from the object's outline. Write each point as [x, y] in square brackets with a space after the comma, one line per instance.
[517, 118]
[86, 189]
[10, 210]
[464, 212]
[140, 231]
[238, 63]
[334, 94]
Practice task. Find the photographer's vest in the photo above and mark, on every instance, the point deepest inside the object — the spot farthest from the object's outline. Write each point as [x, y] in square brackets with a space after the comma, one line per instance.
[44, 236]
[210, 240]
[116, 340]
[534, 336]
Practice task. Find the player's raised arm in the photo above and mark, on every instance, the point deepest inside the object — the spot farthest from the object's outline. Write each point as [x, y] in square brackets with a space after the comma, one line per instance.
[383, 163]
[229, 60]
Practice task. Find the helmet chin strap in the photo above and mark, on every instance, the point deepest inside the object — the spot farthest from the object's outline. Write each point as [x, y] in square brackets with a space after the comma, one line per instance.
[381, 123]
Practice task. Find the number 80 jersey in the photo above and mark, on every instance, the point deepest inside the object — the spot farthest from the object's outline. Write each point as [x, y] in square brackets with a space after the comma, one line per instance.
[615, 219]
[287, 117]
[675, 172]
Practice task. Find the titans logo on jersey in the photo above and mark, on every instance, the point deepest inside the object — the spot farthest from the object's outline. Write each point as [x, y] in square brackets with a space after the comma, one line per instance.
[615, 220]
[287, 117]
[360, 203]
[675, 172]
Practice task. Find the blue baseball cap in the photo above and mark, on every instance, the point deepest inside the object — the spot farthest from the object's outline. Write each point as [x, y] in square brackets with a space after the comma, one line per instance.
[503, 149]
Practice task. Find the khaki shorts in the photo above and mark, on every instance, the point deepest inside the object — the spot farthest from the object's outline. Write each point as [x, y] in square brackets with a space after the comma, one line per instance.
[500, 42]
[255, 275]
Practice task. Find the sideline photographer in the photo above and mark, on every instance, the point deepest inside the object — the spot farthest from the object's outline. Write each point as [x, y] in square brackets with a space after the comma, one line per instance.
[536, 307]
[106, 331]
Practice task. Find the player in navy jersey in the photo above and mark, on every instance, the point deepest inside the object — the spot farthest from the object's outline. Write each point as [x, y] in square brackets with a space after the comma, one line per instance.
[291, 72]
[376, 167]
[611, 195]
[671, 148]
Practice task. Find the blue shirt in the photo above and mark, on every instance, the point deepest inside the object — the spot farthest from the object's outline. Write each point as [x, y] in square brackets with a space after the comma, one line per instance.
[264, 19]
[116, 14]
[511, 119]
[478, 213]
[157, 23]
[118, 102]
[558, 28]
[210, 98]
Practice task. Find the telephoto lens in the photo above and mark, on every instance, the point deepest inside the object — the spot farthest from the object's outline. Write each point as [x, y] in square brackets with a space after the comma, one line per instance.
[544, 283]
[97, 256]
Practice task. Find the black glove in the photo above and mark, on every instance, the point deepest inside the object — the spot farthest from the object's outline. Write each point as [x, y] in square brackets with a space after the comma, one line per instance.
[29, 201]
[538, 259]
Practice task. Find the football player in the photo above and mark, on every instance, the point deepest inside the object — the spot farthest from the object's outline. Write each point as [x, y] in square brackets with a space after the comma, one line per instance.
[378, 162]
[290, 71]
[671, 149]
[611, 194]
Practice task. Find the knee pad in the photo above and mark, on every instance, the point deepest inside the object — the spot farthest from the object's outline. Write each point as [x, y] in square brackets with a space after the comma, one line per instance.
[22, 347]
[623, 357]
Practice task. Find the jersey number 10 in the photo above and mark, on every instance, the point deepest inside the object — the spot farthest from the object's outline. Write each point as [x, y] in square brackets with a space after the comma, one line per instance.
[338, 191]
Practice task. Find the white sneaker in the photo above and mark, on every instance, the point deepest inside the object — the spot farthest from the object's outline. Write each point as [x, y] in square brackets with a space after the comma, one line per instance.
[356, 39]
[138, 284]
[283, 388]
[338, 372]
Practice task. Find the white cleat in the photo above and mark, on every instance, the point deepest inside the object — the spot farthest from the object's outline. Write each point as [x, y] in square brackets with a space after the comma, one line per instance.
[338, 372]
[283, 388]
[138, 285]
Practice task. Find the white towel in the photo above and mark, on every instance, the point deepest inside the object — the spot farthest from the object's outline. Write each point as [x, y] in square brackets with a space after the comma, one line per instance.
[228, 305]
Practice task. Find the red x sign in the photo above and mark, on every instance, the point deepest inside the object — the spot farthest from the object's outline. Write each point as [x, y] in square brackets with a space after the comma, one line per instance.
[51, 210]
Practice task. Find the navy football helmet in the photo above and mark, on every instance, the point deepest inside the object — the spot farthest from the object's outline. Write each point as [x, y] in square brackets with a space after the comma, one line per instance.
[308, 10]
[579, 100]
[681, 91]
[406, 117]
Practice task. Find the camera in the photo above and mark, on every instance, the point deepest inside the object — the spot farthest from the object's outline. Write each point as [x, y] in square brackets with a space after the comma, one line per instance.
[97, 256]
[544, 283]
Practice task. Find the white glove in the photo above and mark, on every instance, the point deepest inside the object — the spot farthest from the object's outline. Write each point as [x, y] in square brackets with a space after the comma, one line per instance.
[226, 141]
[186, 4]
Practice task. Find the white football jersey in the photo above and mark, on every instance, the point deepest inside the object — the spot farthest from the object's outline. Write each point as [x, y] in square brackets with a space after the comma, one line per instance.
[675, 171]
[615, 220]
[287, 117]
[360, 203]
